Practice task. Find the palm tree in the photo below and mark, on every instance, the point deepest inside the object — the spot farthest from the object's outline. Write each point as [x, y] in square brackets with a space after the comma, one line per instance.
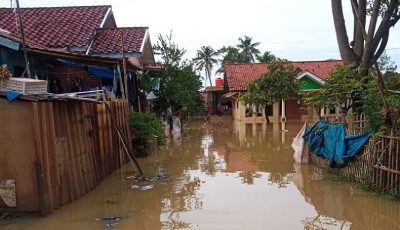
[248, 49]
[230, 55]
[266, 57]
[205, 59]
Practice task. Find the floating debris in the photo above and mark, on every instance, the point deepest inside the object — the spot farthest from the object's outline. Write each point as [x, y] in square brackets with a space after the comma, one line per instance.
[159, 178]
[109, 218]
[142, 187]
[110, 221]
[111, 225]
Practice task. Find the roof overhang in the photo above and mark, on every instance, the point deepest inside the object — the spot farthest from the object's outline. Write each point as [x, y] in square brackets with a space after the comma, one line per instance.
[85, 59]
[117, 55]
[9, 43]
[214, 89]
[147, 50]
[312, 76]
[229, 95]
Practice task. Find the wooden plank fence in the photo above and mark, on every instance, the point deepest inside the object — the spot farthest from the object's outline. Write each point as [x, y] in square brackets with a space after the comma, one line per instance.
[76, 147]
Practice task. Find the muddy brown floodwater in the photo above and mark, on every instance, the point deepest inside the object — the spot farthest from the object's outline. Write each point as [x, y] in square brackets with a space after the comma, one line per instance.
[223, 175]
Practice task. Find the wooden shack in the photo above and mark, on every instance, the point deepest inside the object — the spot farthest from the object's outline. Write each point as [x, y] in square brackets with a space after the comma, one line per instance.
[55, 151]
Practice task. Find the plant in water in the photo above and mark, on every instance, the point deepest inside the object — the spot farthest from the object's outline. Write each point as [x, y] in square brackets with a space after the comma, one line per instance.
[146, 126]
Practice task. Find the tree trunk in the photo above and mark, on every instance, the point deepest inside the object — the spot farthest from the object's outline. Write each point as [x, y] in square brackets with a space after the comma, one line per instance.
[346, 52]
[359, 12]
[208, 75]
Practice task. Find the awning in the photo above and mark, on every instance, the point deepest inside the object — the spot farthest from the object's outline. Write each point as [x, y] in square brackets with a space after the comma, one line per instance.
[228, 95]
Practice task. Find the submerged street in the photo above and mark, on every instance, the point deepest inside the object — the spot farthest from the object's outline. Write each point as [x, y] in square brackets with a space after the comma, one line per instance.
[223, 175]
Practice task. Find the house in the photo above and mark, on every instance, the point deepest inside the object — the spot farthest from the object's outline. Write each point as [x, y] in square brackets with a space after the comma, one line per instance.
[55, 150]
[83, 30]
[311, 74]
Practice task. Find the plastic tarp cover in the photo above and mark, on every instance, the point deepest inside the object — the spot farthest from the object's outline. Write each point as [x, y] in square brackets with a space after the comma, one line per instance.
[331, 142]
[299, 146]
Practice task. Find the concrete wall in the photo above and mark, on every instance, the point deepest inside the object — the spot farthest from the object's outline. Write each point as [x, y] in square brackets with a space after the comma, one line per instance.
[239, 108]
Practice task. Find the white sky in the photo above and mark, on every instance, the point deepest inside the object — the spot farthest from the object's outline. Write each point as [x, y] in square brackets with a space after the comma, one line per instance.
[291, 29]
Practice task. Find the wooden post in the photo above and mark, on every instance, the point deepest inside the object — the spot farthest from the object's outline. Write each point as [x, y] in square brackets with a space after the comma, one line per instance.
[121, 83]
[21, 27]
[124, 68]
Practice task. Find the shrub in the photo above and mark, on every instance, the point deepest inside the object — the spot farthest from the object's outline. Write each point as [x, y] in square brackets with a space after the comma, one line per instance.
[146, 125]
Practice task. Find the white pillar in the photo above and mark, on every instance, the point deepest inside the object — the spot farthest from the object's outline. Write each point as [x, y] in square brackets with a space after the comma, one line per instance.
[283, 117]
[322, 112]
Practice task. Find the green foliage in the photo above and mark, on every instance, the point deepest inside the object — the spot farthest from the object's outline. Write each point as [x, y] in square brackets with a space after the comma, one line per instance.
[146, 125]
[248, 49]
[205, 59]
[266, 57]
[347, 88]
[392, 80]
[230, 55]
[344, 83]
[375, 111]
[147, 83]
[180, 87]
[169, 51]
[386, 64]
[278, 83]
[373, 107]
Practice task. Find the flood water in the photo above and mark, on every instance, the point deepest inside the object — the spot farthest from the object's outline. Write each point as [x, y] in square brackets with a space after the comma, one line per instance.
[224, 175]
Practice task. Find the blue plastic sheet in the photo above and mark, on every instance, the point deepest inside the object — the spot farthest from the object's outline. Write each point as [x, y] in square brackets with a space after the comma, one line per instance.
[331, 142]
[12, 95]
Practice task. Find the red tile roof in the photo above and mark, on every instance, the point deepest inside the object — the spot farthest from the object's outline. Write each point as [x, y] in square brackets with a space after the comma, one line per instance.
[109, 40]
[15, 38]
[56, 27]
[239, 75]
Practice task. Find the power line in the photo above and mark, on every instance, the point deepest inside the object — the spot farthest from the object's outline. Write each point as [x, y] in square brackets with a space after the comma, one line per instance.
[394, 48]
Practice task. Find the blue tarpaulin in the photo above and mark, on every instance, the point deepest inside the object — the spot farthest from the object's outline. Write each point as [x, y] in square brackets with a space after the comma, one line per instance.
[331, 142]
[93, 70]
[12, 95]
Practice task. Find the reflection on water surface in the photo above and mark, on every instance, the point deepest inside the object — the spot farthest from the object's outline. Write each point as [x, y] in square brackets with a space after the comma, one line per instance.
[224, 175]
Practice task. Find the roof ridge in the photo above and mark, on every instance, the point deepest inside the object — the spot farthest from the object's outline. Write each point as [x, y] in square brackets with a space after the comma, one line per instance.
[54, 7]
[260, 63]
[328, 60]
[124, 27]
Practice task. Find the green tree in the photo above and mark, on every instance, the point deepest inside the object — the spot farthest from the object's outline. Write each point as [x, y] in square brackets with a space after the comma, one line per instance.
[277, 83]
[266, 57]
[369, 40]
[248, 49]
[180, 88]
[169, 51]
[179, 84]
[392, 80]
[230, 55]
[205, 59]
[343, 89]
[386, 64]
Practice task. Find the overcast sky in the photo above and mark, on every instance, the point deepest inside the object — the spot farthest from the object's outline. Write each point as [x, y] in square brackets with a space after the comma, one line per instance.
[292, 29]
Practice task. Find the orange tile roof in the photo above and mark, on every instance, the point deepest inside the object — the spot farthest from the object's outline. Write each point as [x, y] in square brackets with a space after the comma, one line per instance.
[239, 75]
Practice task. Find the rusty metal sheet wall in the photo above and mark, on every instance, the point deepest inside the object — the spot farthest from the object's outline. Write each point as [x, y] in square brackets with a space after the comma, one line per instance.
[57, 151]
